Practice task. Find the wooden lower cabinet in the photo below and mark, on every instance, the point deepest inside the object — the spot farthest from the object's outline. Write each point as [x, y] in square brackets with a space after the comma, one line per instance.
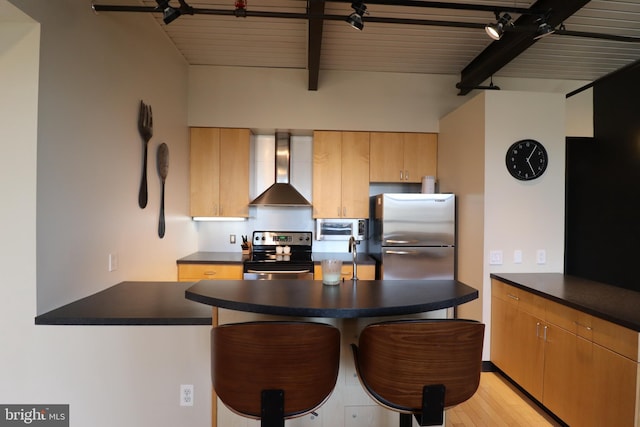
[196, 272]
[558, 355]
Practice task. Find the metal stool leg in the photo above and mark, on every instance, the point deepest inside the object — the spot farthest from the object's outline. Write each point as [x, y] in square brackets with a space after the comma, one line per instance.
[406, 420]
[272, 408]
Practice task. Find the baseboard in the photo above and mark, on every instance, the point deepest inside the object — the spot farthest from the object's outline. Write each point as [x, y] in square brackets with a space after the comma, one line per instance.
[488, 366]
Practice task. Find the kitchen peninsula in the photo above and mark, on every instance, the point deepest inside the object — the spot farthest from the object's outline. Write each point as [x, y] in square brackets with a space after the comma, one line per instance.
[350, 306]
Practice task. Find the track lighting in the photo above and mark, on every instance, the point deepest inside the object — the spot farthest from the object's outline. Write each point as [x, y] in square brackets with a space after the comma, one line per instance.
[544, 29]
[169, 13]
[495, 31]
[355, 19]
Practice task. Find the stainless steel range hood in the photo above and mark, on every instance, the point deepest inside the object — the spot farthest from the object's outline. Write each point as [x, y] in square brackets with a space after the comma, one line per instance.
[282, 193]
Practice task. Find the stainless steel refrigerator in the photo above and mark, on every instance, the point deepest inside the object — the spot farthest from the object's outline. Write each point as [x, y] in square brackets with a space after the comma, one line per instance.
[414, 235]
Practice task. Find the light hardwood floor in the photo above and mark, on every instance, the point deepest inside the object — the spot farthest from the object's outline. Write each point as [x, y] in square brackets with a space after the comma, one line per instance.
[498, 403]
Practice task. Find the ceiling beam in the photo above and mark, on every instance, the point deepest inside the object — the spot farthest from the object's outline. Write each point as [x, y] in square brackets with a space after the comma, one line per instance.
[314, 46]
[501, 52]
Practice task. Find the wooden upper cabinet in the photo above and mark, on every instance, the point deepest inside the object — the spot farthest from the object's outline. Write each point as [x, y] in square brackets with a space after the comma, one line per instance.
[340, 174]
[219, 172]
[402, 157]
[387, 157]
[327, 174]
[420, 156]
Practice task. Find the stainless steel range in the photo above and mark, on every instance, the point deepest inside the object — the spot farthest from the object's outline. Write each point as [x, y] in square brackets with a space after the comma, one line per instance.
[280, 255]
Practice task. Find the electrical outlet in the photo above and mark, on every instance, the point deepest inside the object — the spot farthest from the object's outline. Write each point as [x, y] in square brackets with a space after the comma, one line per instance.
[186, 394]
[495, 257]
[113, 261]
[232, 239]
[517, 256]
[541, 256]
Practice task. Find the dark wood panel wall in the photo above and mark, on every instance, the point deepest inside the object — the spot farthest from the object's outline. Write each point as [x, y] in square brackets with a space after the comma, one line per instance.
[603, 187]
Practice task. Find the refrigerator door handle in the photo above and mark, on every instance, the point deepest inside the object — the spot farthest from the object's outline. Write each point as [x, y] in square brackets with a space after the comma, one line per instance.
[400, 242]
[400, 252]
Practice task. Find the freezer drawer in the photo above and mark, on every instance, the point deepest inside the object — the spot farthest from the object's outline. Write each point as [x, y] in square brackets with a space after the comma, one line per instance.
[418, 263]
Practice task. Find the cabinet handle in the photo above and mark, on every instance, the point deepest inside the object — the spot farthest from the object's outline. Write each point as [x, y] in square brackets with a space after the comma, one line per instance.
[537, 329]
[545, 332]
[406, 175]
[344, 212]
[338, 211]
[401, 176]
[580, 325]
[209, 273]
[513, 297]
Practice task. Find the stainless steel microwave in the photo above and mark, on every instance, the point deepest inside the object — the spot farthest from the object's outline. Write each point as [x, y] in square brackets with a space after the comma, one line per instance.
[341, 229]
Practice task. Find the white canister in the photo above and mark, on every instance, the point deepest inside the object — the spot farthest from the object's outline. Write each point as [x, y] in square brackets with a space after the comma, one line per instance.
[428, 184]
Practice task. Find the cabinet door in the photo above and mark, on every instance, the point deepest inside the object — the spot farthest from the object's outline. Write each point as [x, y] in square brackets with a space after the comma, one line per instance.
[503, 317]
[614, 388]
[327, 171]
[234, 172]
[355, 168]
[191, 272]
[387, 157]
[528, 353]
[568, 379]
[420, 156]
[204, 171]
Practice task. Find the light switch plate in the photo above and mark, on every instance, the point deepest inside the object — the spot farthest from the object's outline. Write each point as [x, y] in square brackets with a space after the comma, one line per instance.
[517, 256]
[113, 261]
[495, 257]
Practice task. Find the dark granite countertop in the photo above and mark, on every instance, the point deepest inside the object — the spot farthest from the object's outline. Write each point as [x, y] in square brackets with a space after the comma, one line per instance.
[237, 257]
[615, 304]
[132, 303]
[310, 298]
[213, 258]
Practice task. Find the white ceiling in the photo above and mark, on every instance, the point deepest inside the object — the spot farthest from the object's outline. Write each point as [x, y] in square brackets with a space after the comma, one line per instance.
[400, 48]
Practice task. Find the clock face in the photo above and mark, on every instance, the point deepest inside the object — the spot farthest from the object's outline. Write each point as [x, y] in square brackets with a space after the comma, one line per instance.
[526, 159]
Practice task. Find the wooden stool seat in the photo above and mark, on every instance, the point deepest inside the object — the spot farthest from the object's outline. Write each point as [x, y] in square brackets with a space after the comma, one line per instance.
[419, 367]
[274, 370]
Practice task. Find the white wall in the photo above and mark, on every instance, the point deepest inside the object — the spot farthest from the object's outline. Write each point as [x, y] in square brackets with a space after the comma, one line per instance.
[461, 170]
[346, 100]
[80, 117]
[95, 69]
[496, 211]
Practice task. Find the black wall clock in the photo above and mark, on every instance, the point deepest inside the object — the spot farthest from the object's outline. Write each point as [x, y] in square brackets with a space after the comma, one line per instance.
[526, 159]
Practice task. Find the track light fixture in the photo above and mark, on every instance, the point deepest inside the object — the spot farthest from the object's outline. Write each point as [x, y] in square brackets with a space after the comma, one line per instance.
[495, 31]
[544, 29]
[355, 19]
[170, 14]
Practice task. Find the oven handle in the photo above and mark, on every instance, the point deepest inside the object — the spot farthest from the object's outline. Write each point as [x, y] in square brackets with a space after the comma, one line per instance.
[279, 271]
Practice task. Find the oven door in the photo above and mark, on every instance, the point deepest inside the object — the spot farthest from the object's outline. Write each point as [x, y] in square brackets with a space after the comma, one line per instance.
[304, 274]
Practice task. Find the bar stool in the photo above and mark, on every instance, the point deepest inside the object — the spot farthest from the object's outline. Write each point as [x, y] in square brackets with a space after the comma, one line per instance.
[273, 371]
[420, 367]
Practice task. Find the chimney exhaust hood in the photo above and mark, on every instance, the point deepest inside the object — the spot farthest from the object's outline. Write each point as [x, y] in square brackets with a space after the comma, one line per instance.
[281, 193]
